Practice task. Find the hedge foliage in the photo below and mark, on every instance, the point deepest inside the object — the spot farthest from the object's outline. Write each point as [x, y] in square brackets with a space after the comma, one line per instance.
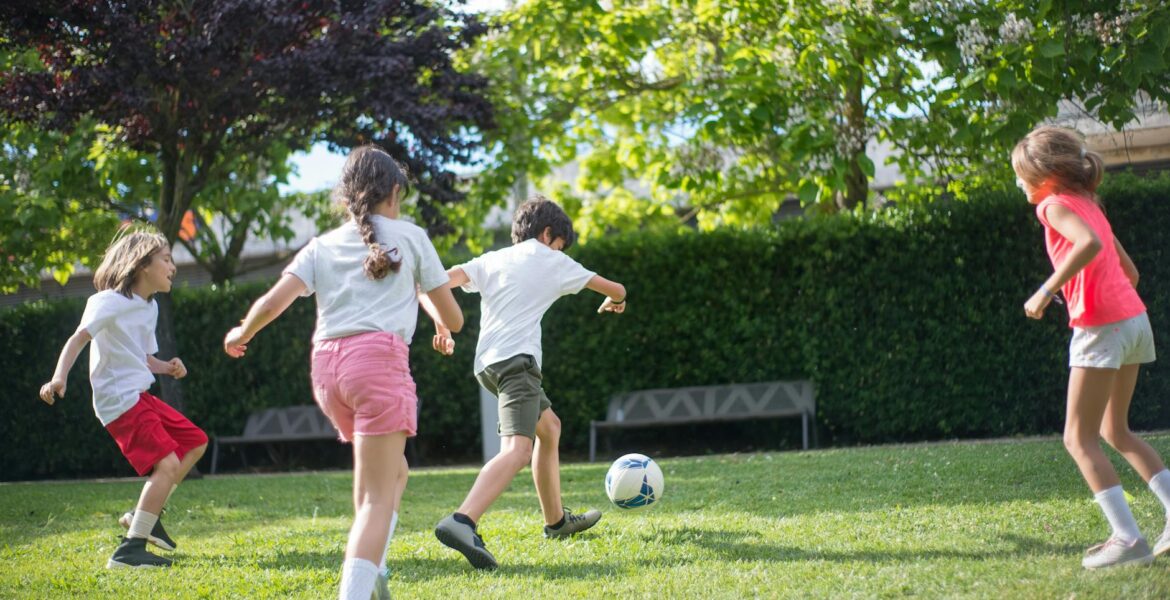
[909, 321]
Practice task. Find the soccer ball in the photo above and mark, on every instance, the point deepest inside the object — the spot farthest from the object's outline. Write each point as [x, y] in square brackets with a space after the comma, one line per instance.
[634, 481]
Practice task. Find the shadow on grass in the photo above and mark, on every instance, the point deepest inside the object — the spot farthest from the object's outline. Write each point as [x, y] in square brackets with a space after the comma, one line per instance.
[731, 546]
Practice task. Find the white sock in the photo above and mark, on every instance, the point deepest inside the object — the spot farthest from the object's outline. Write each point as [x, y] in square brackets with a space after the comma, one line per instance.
[357, 579]
[1116, 510]
[141, 524]
[1160, 485]
[382, 568]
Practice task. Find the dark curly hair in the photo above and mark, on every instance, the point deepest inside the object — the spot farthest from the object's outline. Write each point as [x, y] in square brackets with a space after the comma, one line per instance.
[538, 213]
[369, 176]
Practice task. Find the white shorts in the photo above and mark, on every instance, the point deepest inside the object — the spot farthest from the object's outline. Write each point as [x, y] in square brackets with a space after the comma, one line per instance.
[1110, 346]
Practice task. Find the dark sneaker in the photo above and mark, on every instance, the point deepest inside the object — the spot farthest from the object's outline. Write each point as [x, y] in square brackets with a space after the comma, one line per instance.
[132, 552]
[573, 524]
[464, 539]
[381, 588]
[158, 535]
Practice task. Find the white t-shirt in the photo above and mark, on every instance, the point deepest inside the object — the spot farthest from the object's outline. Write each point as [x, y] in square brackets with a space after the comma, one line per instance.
[518, 285]
[123, 336]
[349, 302]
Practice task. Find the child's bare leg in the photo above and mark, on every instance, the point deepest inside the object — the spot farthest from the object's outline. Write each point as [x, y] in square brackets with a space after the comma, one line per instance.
[496, 475]
[154, 494]
[546, 466]
[1088, 395]
[1115, 426]
[189, 461]
[376, 475]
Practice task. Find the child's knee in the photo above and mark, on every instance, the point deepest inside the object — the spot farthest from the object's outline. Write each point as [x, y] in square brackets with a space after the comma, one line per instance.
[197, 451]
[1122, 439]
[167, 468]
[518, 455]
[549, 426]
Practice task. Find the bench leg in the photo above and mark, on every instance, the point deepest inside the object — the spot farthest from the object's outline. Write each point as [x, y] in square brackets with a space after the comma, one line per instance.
[804, 429]
[214, 454]
[592, 442]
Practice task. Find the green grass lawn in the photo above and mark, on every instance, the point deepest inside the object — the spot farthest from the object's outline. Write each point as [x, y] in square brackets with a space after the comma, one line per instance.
[981, 520]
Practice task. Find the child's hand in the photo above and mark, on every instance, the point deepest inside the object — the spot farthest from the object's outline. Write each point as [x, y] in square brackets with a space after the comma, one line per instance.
[443, 344]
[234, 343]
[55, 386]
[610, 306]
[1035, 305]
[178, 369]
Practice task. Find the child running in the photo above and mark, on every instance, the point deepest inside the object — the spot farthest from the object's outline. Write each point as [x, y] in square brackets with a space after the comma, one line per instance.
[157, 440]
[518, 284]
[367, 276]
[1111, 332]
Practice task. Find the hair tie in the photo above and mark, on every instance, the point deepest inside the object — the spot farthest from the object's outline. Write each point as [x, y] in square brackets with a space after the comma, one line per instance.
[1082, 151]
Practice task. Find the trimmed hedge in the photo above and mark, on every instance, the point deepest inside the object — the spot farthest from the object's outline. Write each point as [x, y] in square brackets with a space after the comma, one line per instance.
[910, 322]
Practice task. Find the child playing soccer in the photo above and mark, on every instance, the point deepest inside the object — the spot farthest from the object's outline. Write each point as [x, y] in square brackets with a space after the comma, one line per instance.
[1111, 332]
[367, 275]
[155, 438]
[518, 284]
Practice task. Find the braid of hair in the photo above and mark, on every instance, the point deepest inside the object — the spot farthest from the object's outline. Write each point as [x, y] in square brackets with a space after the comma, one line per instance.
[377, 264]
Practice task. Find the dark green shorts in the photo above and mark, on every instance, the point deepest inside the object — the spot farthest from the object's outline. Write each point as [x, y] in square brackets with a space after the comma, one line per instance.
[516, 383]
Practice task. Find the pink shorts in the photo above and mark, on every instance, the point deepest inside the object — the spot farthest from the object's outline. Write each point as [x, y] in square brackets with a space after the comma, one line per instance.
[362, 383]
[151, 430]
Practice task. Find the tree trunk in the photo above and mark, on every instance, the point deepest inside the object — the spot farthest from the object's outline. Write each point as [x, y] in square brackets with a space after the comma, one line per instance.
[856, 137]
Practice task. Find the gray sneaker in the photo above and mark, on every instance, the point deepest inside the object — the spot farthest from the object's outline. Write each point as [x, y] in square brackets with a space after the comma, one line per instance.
[1115, 553]
[132, 552]
[158, 536]
[573, 524]
[466, 541]
[1163, 544]
[381, 588]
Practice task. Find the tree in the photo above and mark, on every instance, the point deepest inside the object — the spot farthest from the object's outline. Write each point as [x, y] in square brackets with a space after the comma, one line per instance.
[720, 110]
[201, 86]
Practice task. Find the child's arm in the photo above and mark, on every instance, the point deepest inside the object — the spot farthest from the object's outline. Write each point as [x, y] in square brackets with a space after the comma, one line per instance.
[1086, 245]
[615, 294]
[263, 311]
[1126, 263]
[173, 367]
[69, 353]
[440, 304]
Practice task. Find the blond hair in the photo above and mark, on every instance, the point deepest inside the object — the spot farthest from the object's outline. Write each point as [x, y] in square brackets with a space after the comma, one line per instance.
[125, 258]
[1057, 158]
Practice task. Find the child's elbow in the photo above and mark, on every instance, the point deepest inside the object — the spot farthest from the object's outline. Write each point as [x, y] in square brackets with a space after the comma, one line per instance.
[621, 291]
[455, 322]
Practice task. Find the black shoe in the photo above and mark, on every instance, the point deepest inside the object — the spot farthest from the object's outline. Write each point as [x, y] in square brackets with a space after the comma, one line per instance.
[158, 535]
[132, 552]
[464, 538]
[573, 524]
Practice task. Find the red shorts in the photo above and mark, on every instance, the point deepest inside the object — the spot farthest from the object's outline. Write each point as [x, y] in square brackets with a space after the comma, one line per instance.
[363, 384]
[151, 430]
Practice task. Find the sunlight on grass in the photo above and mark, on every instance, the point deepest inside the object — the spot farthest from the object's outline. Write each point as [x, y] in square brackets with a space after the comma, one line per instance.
[975, 520]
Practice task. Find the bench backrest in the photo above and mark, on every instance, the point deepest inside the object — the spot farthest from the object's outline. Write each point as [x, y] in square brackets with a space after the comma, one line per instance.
[715, 401]
[290, 422]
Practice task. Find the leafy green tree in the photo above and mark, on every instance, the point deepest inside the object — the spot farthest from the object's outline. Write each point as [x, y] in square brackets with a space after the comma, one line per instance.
[721, 109]
[202, 86]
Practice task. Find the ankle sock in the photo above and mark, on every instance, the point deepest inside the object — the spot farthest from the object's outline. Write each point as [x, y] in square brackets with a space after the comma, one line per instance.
[560, 523]
[1117, 512]
[142, 524]
[357, 579]
[1160, 485]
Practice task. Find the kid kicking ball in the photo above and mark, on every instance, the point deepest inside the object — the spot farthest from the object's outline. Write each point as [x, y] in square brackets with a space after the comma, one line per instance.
[634, 481]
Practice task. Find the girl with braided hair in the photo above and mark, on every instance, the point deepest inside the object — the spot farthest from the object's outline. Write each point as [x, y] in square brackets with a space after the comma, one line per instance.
[369, 276]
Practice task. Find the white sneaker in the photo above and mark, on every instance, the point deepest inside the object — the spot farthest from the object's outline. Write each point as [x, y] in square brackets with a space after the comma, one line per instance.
[1115, 553]
[1163, 544]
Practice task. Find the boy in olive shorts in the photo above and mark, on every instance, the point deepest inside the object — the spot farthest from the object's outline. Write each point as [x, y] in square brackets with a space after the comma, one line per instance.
[518, 284]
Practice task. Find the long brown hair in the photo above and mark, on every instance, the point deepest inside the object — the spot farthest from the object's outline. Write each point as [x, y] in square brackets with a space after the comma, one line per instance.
[369, 176]
[125, 258]
[1055, 157]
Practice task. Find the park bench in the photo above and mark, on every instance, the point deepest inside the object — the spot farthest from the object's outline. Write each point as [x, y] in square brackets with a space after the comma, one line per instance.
[288, 424]
[708, 404]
